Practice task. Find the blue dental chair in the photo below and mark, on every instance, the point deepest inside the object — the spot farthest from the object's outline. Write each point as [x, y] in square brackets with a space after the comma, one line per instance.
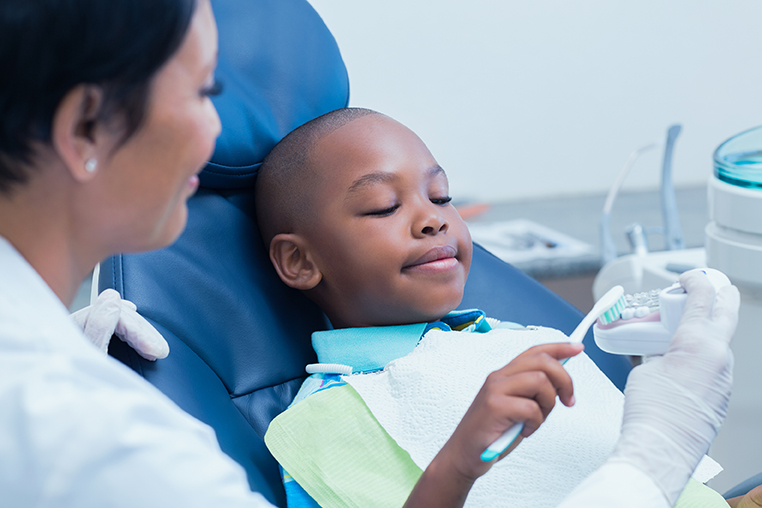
[239, 338]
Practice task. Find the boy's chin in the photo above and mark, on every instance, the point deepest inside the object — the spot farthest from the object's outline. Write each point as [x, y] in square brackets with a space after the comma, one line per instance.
[394, 315]
[392, 320]
[432, 314]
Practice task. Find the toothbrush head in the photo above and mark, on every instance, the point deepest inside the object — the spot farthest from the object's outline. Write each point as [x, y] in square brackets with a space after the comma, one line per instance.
[614, 312]
[608, 308]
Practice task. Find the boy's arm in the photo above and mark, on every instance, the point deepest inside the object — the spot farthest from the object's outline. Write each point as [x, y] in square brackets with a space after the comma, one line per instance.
[674, 406]
[752, 499]
[525, 390]
[440, 485]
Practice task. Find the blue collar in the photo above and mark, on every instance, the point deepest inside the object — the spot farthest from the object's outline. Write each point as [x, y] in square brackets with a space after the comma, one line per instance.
[371, 348]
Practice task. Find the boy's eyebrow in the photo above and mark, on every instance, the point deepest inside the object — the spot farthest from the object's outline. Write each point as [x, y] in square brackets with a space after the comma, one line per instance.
[370, 179]
[379, 177]
[436, 170]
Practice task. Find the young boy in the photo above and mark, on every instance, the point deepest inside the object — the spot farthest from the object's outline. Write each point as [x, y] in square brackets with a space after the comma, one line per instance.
[356, 214]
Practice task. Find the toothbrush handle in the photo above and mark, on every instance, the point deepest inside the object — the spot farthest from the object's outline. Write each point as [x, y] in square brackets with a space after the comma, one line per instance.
[603, 305]
[502, 443]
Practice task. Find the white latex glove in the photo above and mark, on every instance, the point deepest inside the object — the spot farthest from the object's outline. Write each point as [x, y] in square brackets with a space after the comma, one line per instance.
[675, 404]
[110, 315]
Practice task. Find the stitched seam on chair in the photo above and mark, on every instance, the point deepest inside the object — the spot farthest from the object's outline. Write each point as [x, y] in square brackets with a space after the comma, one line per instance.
[113, 275]
[240, 175]
[121, 271]
[346, 103]
[209, 169]
[264, 388]
[131, 354]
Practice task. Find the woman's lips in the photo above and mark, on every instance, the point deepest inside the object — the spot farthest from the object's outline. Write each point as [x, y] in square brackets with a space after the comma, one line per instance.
[435, 260]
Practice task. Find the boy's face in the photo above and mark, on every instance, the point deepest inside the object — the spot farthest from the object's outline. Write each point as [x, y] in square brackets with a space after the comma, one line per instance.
[390, 246]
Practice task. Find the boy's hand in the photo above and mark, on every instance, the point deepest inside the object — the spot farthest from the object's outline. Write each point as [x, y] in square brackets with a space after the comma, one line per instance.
[523, 391]
[753, 499]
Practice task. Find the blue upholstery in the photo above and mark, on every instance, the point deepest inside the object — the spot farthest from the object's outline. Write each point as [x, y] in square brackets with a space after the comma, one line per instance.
[744, 487]
[239, 338]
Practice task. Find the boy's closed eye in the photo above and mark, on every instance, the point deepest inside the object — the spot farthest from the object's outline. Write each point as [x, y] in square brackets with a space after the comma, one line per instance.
[382, 212]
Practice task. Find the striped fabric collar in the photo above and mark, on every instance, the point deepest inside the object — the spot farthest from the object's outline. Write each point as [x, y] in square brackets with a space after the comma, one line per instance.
[370, 348]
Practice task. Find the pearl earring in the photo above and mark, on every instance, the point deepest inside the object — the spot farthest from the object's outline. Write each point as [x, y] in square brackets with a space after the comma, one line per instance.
[91, 165]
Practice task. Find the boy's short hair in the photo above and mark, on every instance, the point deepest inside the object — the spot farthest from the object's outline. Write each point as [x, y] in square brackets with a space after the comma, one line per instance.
[287, 173]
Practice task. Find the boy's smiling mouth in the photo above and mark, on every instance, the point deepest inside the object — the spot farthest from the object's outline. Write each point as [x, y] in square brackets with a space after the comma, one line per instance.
[435, 260]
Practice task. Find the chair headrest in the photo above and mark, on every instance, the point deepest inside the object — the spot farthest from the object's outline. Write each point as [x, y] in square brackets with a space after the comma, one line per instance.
[274, 81]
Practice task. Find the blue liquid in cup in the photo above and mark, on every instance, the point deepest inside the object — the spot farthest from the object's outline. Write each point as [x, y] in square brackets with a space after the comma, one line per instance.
[738, 161]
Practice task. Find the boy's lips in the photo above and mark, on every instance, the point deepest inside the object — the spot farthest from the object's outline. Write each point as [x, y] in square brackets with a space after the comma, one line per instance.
[438, 258]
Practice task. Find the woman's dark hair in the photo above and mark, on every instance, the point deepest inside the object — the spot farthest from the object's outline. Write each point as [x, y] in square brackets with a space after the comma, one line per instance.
[47, 47]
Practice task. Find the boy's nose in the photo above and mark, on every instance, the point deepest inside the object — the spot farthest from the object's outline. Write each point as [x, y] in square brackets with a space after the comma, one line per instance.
[433, 225]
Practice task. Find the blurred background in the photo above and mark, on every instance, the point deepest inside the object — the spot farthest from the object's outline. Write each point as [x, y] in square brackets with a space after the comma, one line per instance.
[524, 100]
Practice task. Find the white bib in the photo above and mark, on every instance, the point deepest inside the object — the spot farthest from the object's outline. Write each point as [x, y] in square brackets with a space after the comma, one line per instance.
[420, 399]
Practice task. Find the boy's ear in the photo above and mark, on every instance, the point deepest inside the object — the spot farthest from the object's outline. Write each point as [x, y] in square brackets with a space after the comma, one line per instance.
[293, 262]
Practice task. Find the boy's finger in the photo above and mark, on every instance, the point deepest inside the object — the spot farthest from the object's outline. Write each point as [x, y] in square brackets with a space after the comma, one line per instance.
[547, 364]
[524, 410]
[533, 388]
[558, 350]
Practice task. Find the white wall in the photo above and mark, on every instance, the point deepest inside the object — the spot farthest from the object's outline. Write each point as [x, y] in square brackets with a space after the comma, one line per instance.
[548, 97]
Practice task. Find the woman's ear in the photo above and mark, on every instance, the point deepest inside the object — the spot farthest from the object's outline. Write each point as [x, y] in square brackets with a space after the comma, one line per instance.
[75, 131]
[293, 262]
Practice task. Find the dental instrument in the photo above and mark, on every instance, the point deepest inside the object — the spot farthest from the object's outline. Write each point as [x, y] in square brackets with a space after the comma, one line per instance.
[673, 237]
[648, 320]
[637, 238]
[673, 234]
[608, 247]
[607, 309]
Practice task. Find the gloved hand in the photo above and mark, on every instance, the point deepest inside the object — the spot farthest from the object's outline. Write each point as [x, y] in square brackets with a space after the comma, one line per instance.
[110, 315]
[675, 404]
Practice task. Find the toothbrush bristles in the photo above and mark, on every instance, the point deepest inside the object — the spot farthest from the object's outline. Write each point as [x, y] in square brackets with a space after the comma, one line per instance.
[614, 312]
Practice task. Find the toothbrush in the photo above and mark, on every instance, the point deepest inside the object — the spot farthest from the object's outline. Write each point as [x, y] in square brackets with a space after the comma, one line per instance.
[608, 309]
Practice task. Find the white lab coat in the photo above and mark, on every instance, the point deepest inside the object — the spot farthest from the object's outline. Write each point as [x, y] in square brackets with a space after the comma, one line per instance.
[618, 484]
[78, 429]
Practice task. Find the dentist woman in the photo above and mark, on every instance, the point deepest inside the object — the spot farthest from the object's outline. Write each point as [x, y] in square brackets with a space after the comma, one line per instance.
[105, 121]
